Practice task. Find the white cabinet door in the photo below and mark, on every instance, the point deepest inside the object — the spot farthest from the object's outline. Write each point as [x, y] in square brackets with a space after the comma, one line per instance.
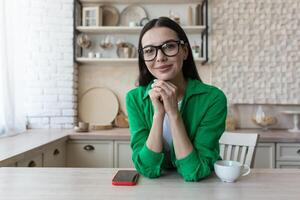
[288, 151]
[285, 164]
[122, 154]
[55, 155]
[35, 161]
[288, 155]
[14, 164]
[264, 155]
[86, 153]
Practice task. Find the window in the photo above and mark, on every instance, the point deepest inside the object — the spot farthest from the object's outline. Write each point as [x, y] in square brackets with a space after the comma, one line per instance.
[12, 118]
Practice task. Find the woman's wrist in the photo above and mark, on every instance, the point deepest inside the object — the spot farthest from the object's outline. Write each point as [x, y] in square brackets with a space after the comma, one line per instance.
[174, 116]
[158, 116]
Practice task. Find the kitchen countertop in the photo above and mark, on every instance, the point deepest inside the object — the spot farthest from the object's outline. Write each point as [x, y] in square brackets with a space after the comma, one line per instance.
[17, 147]
[95, 183]
[123, 134]
[111, 134]
[275, 135]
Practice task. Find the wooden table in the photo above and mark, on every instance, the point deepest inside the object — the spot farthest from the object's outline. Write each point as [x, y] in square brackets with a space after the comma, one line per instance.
[95, 183]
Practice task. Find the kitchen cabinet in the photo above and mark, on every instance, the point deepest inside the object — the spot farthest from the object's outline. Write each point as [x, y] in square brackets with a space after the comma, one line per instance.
[277, 155]
[55, 155]
[288, 155]
[264, 155]
[13, 164]
[32, 161]
[99, 153]
[50, 155]
[197, 30]
[283, 164]
[85, 153]
[122, 154]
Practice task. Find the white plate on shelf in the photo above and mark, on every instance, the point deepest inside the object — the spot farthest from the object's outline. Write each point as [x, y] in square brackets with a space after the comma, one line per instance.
[132, 13]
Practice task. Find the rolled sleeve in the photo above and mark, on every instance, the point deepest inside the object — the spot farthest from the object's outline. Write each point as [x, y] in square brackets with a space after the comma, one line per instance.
[146, 161]
[199, 163]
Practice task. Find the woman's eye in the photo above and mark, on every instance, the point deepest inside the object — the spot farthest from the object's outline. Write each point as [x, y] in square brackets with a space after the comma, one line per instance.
[148, 50]
[169, 46]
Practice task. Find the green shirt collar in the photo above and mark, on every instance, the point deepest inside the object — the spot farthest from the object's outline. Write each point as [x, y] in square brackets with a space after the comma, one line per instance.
[193, 87]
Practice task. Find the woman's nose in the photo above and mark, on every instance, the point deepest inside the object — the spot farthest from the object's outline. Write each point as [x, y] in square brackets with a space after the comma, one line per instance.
[160, 56]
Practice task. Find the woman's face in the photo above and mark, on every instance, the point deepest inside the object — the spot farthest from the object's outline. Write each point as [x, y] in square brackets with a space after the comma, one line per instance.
[162, 66]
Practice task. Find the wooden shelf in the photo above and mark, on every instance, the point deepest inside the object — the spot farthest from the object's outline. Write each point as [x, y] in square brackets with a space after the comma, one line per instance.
[84, 60]
[126, 29]
[143, 2]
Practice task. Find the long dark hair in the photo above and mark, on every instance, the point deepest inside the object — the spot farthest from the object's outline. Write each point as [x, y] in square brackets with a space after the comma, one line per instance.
[189, 67]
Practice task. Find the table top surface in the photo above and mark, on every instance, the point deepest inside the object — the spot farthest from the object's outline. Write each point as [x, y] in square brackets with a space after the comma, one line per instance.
[95, 183]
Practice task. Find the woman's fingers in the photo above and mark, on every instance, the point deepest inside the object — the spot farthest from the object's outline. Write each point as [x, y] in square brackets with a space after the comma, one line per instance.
[168, 94]
[168, 87]
[156, 93]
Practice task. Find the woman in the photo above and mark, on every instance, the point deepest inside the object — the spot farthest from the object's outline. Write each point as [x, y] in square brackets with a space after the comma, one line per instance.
[175, 120]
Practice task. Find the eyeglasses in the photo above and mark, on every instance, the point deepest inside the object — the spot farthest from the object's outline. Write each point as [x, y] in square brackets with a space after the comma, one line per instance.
[169, 48]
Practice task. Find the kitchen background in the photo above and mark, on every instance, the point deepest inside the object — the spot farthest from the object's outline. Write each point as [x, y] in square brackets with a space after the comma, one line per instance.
[254, 58]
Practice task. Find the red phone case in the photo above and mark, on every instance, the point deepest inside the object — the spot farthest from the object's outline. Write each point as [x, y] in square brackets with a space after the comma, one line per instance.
[125, 178]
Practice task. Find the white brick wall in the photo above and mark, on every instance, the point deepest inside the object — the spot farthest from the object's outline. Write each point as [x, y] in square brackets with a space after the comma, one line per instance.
[51, 79]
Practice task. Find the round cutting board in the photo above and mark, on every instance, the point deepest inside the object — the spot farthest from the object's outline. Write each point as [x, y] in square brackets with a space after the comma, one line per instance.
[98, 106]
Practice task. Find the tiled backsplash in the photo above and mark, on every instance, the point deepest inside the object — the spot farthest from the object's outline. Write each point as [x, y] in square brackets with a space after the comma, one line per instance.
[256, 51]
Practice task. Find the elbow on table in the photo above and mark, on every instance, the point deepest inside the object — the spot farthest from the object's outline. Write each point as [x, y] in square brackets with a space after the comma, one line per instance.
[149, 172]
[196, 176]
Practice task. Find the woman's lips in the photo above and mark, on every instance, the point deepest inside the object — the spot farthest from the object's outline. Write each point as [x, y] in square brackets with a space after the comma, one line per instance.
[164, 68]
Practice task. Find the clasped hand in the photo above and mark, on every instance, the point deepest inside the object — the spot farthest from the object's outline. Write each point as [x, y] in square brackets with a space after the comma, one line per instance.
[164, 97]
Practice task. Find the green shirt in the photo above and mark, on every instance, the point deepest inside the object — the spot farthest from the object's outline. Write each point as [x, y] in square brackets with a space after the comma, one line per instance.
[203, 110]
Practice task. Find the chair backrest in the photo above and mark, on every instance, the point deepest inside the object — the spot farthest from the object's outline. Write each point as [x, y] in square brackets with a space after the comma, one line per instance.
[238, 146]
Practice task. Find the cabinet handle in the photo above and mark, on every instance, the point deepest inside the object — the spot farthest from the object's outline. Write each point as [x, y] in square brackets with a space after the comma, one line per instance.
[31, 164]
[298, 152]
[56, 152]
[89, 147]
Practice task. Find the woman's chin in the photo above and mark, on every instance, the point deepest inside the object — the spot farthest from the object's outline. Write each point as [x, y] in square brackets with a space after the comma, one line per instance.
[165, 77]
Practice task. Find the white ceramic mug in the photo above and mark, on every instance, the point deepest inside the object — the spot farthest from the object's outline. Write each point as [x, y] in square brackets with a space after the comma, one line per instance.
[91, 55]
[98, 55]
[229, 170]
[132, 24]
[83, 125]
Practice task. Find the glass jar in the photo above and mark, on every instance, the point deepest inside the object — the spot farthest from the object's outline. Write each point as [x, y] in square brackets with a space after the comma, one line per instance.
[264, 117]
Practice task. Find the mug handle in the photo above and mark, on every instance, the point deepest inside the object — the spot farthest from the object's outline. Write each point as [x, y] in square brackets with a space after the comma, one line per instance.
[247, 168]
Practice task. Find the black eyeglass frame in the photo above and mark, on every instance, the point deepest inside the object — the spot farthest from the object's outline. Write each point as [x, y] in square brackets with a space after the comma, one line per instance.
[179, 42]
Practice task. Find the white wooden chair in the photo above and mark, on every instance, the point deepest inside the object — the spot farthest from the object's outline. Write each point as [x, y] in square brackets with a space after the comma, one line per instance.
[238, 146]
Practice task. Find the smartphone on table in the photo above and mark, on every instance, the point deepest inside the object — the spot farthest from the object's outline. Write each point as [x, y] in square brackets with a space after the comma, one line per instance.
[125, 177]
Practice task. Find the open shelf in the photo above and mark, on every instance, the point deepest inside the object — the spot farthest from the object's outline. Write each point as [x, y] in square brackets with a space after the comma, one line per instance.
[126, 29]
[143, 2]
[85, 60]
[201, 7]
